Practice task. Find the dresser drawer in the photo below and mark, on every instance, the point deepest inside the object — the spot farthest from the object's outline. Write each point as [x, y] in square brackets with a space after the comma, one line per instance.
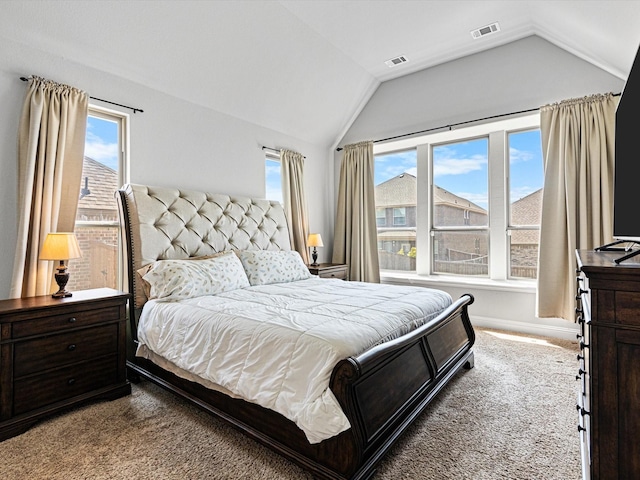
[39, 390]
[32, 356]
[56, 323]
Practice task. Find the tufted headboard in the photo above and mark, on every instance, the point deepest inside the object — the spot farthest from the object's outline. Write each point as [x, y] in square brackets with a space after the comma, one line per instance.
[160, 223]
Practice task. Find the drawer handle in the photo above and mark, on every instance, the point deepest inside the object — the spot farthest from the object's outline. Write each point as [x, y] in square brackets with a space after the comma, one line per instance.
[580, 373]
[71, 381]
[71, 347]
[583, 345]
[72, 320]
[333, 274]
[580, 357]
[581, 428]
[582, 411]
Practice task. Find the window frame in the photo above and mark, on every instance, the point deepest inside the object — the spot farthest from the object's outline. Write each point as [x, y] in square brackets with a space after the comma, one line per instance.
[498, 191]
[122, 119]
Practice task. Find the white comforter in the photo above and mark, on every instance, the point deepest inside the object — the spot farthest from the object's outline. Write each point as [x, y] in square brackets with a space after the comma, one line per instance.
[276, 345]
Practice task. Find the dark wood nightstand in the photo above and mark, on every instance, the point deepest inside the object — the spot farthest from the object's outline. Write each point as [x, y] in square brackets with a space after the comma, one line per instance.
[57, 353]
[330, 270]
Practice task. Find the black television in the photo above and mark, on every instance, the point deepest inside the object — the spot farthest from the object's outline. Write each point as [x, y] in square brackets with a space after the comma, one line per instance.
[626, 190]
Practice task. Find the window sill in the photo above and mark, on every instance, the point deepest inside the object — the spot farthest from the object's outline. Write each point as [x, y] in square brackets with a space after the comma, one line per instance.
[435, 281]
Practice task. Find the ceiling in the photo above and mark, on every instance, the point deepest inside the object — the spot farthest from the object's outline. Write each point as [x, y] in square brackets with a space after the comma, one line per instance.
[304, 68]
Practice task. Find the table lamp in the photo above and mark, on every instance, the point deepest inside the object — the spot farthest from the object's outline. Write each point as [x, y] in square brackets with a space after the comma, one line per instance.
[314, 240]
[60, 246]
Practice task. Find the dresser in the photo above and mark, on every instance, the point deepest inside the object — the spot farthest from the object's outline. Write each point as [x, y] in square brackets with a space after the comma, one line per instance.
[330, 270]
[608, 312]
[57, 353]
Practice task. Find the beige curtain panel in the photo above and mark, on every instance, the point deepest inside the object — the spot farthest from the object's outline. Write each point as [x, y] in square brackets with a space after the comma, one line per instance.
[356, 238]
[295, 203]
[578, 139]
[51, 139]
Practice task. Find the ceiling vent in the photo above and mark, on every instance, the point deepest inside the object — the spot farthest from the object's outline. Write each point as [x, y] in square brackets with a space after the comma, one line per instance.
[487, 30]
[396, 61]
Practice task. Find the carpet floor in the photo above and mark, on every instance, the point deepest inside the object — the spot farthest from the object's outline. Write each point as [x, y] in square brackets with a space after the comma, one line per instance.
[511, 417]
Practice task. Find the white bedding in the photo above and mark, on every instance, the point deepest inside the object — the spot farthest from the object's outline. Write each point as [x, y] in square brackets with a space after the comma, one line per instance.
[276, 345]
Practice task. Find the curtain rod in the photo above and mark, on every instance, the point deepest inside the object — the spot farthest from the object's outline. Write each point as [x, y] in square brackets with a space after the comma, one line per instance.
[26, 79]
[460, 123]
[274, 151]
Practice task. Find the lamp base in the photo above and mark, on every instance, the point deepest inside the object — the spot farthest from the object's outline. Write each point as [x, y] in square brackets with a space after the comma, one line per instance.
[62, 277]
[314, 256]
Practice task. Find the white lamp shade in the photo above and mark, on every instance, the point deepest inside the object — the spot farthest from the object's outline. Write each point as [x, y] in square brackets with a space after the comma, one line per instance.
[60, 246]
[314, 240]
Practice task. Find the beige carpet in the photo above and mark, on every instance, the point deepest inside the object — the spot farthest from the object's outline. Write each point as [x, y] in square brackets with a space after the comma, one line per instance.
[512, 417]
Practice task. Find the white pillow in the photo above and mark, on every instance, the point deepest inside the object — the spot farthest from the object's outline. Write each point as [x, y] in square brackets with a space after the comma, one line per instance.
[264, 267]
[180, 279]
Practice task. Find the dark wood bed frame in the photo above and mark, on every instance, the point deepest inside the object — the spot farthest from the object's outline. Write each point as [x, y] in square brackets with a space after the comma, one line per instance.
[382, 391]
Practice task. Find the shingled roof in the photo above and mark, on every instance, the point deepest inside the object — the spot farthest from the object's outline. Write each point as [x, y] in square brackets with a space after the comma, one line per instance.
[98, 203]
[527, 210]
[401, 190]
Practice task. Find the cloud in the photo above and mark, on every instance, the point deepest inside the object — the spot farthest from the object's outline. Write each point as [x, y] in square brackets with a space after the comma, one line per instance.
[517, 156]
[101, 151]
[458, 166]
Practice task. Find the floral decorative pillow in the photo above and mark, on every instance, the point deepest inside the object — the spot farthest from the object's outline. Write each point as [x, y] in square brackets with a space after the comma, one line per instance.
[180, 279]
[264, 267]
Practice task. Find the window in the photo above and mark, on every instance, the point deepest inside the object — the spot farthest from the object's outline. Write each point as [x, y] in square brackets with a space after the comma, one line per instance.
[97, 227]
[526, 178]
[399, 216]
[273, 180]
[460, 207]
[395, 191]
[471, 198]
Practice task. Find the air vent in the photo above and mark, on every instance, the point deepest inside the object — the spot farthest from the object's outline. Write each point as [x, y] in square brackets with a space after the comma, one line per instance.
[396, 61]
[487, 30]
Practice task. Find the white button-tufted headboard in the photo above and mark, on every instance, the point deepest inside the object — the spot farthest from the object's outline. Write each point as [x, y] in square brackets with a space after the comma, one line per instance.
[167, 223]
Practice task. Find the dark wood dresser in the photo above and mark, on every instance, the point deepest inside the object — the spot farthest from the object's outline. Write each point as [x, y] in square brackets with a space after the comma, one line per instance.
[57, 353]
[608, 407]
[330, 270]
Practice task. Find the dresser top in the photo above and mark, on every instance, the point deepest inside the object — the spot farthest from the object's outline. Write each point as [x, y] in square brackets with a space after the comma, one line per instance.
[590, 261]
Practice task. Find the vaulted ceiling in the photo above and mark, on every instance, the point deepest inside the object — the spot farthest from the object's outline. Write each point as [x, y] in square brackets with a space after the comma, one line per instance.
[304, 68]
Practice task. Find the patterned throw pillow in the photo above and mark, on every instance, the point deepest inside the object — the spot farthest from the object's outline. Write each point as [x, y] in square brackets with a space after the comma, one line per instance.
[180, 279]
[264, 267]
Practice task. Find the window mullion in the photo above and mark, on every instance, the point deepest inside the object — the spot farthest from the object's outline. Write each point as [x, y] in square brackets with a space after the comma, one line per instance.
[498, 261]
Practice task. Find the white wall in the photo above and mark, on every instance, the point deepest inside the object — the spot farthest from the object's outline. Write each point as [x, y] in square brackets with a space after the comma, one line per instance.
[518, 76]
[173, 143]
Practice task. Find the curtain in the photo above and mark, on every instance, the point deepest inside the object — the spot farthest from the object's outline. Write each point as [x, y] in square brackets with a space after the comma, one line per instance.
[51, 137]
[356, 238]
[295, 203]
[578, 139]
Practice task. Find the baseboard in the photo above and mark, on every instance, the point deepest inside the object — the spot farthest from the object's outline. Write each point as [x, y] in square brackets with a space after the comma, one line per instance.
[554, 331]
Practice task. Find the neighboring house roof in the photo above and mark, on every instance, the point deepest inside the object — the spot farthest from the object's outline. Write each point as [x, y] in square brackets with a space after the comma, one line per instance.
[445, 197]
[397, 191]
[527, 210]
[402, 191]
[102, 183]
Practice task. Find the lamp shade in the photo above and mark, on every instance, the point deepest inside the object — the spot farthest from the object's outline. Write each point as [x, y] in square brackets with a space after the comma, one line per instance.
[314, 240]
[60, 246]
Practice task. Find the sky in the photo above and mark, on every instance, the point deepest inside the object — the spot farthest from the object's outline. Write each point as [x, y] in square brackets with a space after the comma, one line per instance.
[461, 168]
[273, 181]
[101, 142]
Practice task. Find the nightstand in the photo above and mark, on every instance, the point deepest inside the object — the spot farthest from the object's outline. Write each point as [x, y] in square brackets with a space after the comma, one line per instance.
[330, 270]
[58, 353]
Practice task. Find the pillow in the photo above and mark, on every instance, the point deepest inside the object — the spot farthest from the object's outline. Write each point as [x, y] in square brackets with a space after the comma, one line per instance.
[141, 272]
[180, 279]
[264, 267]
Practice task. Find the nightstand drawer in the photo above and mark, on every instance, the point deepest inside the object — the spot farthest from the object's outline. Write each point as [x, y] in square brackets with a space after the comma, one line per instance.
[40, 390]
[330, 270]
[33, 356]
[339, 273]
[56, 323]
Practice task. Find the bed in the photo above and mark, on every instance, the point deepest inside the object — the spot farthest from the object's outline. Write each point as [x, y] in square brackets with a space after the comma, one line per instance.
[329, 373]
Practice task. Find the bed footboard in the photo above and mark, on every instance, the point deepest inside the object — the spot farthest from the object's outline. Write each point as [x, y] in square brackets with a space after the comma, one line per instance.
[383, 390]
